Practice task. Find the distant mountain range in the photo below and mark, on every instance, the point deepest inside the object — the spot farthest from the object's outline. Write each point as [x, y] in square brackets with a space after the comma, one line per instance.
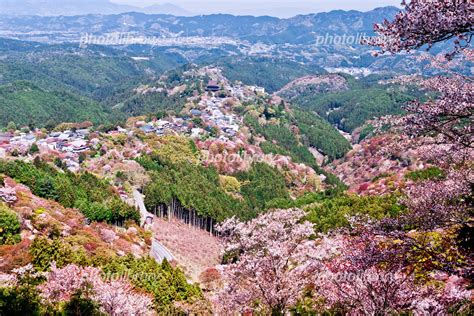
[74, 7]
[301, 29]
[330, 40]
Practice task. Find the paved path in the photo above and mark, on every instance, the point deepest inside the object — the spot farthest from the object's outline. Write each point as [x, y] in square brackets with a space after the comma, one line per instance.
[158, 251]
[138, 197]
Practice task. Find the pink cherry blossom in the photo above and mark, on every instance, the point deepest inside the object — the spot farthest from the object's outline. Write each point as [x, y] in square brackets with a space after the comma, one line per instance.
[273, 264]
[115, 297]
[426, 22]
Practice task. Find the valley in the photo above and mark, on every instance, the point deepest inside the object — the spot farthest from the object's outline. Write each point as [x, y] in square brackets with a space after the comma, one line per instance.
[157, 164]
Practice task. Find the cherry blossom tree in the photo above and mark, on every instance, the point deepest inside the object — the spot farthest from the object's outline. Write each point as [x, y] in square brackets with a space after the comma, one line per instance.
[438, 203]
[115, 297]
[273, 263]
[442, 127]
[8, 194]
[426, 22]
[276, 262]
[375, 268]
[448, 115]
[374, 274]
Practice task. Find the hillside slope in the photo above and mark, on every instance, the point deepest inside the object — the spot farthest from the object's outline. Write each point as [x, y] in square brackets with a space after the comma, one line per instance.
[24, 103]
[194, 250]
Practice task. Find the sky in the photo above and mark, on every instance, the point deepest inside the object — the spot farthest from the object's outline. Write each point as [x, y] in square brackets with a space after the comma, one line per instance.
[282, 8]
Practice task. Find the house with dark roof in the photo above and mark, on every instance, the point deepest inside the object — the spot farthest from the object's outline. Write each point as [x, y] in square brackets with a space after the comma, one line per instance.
[196, 112]
[147, 128]
[213, 86]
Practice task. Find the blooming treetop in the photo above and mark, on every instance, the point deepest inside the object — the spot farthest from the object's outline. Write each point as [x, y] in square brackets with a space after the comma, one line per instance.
[274, 262]
[115, 297]
[426, 22]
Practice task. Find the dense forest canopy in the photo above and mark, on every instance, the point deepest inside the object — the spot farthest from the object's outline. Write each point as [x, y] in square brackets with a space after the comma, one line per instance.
[94, 197]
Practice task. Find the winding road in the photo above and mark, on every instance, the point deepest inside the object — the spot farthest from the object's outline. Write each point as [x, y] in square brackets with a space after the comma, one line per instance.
[158, 251]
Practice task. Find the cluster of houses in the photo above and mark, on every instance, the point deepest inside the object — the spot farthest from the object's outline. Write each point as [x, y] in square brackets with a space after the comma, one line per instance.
[211, 114]
[209, 110]
[214, 116]
[165, 127]
[70, 144]
[10, 143]
[67, 141]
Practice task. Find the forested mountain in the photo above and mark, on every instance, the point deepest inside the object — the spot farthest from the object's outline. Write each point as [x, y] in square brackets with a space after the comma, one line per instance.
[348, 102]
[24, 103]
[83, 71]
[108, 76]
[76, 84]
[311, 39]
[270, 73]
[296, 30]
[105, 79]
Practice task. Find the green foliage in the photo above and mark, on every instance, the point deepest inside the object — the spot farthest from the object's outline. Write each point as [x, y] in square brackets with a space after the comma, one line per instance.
[44, 251]
[149, 163]
[321, 135]
[366, 131]
[89, 73]
[153, 102]
[261, 184]
[177, 149]
[329, 213]
[364, 100]
[23, 298]
[300, 202]
[25, 103]
[272, 148]
[33, 149]
[49, 87]
[328, 210]
[272, 74]
[194, 186]
[430, 173]
[11, 126]
[94, 197]
[229, 184]
[81, 305]
[9, 226]
[287, 144]
[167, 284]
[19, 301]
[201, 189]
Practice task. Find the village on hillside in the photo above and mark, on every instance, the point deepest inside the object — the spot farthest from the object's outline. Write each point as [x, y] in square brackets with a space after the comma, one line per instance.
[210, 117]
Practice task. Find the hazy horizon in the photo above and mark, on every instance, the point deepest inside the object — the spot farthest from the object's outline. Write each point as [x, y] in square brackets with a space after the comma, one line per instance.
[279, 8]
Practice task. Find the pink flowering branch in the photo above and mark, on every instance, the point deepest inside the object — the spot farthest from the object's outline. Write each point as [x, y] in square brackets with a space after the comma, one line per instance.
[274, 262]
[426, 22]
[114, 297]
[8, 195]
